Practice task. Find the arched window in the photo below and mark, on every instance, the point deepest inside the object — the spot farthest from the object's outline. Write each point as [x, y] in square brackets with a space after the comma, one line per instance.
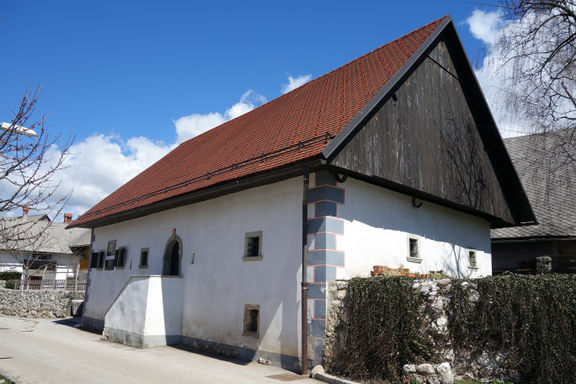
[172, 256]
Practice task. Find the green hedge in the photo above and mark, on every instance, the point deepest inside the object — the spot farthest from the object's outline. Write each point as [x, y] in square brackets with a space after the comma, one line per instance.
[530, 318]
[10, 275]
[383, 329]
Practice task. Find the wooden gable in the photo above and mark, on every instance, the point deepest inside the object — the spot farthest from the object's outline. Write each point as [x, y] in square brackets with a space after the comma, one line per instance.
[425, 140]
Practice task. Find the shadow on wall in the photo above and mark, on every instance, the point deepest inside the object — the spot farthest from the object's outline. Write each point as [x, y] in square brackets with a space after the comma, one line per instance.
[452, 263]
[385, 209]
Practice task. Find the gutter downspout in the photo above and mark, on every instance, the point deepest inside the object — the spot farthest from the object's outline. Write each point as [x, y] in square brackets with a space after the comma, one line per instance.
[304, 293]
[87, 288]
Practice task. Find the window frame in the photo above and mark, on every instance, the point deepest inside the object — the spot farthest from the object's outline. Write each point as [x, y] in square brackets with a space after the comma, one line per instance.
[247, 237]
[142, 250]
[101, 257]
[474, 252]
[94, 259]
[120, 255]
[248, 308]
[418, 257]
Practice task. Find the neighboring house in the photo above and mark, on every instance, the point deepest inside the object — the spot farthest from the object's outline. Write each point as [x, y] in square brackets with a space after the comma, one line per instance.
[46, 253]
[547, 167]
[392, 159]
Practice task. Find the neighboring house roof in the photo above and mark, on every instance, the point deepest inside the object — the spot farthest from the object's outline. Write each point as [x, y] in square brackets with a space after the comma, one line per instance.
[37, 233]
[308, 125]
[545, 163]
[82, 239]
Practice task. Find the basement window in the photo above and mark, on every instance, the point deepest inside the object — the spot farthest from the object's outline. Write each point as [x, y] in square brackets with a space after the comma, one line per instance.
[144, 258]
[252, 320]
[414, 250]
[120, 257]
[253, 246]
[472, 260]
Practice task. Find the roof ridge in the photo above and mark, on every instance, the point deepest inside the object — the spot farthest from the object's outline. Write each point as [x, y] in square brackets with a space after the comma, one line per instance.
[374, 51]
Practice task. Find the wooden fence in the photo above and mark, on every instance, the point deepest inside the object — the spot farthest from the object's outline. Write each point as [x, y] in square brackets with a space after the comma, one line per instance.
[71, 285]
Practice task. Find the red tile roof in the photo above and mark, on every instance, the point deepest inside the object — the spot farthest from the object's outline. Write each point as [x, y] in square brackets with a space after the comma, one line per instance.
[288, 129]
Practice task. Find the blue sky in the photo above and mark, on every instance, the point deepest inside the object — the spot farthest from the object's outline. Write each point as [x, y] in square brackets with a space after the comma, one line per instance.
[124, 73]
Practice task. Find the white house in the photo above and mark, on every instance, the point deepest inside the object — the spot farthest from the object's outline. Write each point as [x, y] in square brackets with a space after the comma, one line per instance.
[46, 253]
[392, 159]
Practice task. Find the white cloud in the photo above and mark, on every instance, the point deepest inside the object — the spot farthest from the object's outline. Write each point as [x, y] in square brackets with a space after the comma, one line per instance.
[485, 26]
[195, 124]
[248, 102]
[100, 164]
[295, 82]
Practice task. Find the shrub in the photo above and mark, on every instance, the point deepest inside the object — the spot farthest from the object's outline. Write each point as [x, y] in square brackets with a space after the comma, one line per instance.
[10, 275]
[532, 319]
[383, 329]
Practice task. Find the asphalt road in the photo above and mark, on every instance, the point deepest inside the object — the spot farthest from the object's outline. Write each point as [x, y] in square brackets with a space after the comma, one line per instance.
[34, 351]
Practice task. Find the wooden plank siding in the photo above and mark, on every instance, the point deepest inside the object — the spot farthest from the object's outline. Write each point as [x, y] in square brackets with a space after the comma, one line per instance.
[426, 139]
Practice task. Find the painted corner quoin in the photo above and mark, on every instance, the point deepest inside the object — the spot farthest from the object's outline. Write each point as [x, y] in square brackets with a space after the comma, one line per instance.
[324, 259]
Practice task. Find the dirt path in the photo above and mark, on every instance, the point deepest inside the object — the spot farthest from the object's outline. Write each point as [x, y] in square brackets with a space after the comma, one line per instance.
[45, 351]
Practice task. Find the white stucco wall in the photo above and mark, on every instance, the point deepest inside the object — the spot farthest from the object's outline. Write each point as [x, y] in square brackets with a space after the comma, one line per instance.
[219, 283]
[128, 312]
[377, 223]
[147, 306]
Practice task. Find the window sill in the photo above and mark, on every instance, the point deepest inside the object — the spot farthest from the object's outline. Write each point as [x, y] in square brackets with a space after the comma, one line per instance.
[122, 267]
[252, 258]
[143, 266]
[417, 260]
[475, 268]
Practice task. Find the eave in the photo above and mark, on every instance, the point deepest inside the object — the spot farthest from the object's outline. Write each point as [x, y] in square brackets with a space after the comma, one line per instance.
[213, 191]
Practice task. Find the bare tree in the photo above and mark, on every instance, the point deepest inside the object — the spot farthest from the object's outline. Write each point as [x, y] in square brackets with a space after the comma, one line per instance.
[538, 47]
[29, 161]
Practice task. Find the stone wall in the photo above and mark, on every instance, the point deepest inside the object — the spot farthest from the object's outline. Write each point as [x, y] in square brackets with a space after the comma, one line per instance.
[37, 304]
[446, 362]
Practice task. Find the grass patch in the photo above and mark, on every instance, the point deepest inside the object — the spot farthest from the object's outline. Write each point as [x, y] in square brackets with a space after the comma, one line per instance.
[5, 380]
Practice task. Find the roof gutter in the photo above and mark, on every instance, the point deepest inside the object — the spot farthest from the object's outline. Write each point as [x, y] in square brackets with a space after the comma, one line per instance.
[304, 291]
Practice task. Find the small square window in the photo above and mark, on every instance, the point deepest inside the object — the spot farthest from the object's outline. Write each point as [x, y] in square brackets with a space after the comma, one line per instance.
[144, 257]
[414, 249]
[472, 261]
[109, 264]
[253, 246]
[252, 320]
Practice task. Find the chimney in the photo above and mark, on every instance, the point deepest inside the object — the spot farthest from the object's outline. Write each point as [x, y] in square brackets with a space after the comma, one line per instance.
[67, 218]
[25, 210]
